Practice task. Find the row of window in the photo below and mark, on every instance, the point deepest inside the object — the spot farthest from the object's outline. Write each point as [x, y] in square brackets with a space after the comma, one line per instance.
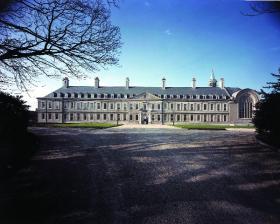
[135, 117]
[119, 96]
[137, 106]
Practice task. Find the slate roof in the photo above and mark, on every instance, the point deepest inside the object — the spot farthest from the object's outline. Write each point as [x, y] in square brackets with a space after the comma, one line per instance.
[153, 90]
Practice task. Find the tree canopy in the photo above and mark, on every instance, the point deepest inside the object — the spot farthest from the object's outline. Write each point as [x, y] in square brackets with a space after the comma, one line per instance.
[54, 38]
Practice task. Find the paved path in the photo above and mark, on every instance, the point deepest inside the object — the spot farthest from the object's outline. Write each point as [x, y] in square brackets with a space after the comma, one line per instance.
[145, 176]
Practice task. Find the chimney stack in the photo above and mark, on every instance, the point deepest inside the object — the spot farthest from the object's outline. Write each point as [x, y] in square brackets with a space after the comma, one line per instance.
[163, 83]
[222, 83]
[193, 83]
[127, 83]
[65, 82]
[96, 83]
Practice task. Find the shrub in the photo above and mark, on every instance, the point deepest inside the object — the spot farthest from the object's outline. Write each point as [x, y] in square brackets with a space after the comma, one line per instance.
[13, 116]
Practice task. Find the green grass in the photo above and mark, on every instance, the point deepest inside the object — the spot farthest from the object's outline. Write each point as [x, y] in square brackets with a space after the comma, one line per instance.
[84, 125]
[211, 126]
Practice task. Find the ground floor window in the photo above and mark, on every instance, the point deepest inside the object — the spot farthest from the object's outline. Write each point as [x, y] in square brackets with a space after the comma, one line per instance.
[198, 117]
[118, 117]
[49, 116]
[71, 117]
[136, 117]
[43, 116]
[124, 117]
[178, 117]
[56, 116]
[130, 117]
[185, 117]
[85, 116]
[78, 116]
[98, 117]
[191, 117]
[171, 117]
[104, 116]
[111, 117]
[205, 118]
[218, 118]
[158, 117]
[225, 117]
[153, 117]
[211, 118]
[91, 116]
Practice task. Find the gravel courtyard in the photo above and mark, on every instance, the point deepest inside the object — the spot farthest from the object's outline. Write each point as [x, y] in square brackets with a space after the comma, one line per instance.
[121, 175]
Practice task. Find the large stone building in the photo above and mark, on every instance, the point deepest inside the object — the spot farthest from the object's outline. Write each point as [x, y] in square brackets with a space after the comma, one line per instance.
[135, 104]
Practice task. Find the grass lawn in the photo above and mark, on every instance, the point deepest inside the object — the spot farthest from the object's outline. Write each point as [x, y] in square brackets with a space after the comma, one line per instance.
[83, 125]
[211, 126]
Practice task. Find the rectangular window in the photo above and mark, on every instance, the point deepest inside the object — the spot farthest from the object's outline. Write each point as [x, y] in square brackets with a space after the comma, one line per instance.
[50, 105]
[158, 106]
[98, 106]
[43, 104]
[191, 117]
[158, 117]
[198, 106]
[56, 105]
[185, 117]
[65, 117]
[205, 106]
[185, 106]
[171, 106]
[91, 117]
[111, 117]
[78, 116]
[104, 106]
[218, 107]
[118, 117]
[85, 116]
[171, 117]
[178, 117]
[125, 106]
[124, 117]
[130, 106]
[153, 106]
[225, 117]
[178, 106]
[145, 106]
[71, 117]
[111, 106]
[104, 117]
[225, 107]
[191, 106]
[198, 117]
[118, 106]
[218, 118]
[211, 106]
[136, 117]
[211, 118]
[130, 117]
[56, 116]
[153, 117]
[72, 105]
[98, 117]
[49, 116]
[205, 118]
[42, 116]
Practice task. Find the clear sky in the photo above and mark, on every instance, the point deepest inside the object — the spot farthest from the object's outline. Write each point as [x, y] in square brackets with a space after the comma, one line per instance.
[179, 39]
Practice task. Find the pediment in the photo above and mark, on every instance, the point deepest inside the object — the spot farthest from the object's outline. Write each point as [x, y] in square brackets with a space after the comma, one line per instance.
[146, 96]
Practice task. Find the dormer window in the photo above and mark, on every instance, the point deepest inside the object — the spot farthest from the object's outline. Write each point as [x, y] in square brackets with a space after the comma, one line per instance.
[54, 94]
[122, 96]
[88, 95]
[76, 95]
[214, 97]
[188, 97]
[102, 95]
[194, 96]
[82, 95]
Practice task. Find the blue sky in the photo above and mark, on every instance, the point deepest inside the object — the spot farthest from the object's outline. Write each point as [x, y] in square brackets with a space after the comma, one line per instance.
[179, 39]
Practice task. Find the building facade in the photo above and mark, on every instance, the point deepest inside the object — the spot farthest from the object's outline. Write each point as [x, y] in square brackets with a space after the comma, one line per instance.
[135, 104]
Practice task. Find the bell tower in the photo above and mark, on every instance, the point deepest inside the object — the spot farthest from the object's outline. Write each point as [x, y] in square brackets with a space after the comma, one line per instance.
[212, 80]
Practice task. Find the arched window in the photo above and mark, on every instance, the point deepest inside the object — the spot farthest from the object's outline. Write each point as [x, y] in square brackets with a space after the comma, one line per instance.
[245, 106]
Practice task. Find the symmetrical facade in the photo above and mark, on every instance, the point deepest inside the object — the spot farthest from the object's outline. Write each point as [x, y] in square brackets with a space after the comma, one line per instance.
[132, 104]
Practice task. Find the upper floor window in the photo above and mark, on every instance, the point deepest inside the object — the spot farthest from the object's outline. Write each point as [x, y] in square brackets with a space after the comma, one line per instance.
[225, 107]
[50, 105]
[211, 106]
[54, 94]
[43, 104]
[205, 106]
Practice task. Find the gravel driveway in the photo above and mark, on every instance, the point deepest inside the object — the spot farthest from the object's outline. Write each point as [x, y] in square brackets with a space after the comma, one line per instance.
[144, 176]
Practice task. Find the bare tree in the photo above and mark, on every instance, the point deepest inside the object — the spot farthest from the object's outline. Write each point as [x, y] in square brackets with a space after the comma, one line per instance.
[54, 38]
